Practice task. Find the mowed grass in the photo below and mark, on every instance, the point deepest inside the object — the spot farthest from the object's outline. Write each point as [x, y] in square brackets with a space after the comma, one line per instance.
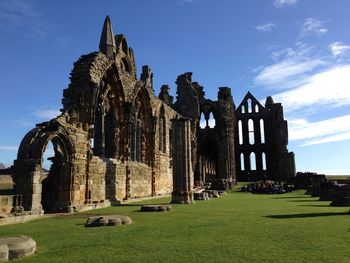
[239, 227]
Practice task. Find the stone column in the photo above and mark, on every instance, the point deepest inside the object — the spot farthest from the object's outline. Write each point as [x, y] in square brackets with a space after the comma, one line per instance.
[36, 188]
[182, 162]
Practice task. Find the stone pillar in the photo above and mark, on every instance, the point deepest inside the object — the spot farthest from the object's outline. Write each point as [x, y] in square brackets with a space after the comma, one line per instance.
[36, 187]
[182, 162]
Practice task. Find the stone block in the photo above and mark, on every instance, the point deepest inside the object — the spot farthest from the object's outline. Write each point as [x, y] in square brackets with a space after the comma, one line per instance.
[155, 208]
[4, 252]
[18, 246]
[108, 220]
[201, 196]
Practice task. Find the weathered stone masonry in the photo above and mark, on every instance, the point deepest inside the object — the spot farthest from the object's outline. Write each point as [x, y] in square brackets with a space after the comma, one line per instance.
[116, 140]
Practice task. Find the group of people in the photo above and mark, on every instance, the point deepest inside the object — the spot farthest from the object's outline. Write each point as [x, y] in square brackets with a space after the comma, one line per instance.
[267, 187]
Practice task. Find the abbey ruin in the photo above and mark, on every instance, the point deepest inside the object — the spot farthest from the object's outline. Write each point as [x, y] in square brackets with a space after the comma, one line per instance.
[116, 140]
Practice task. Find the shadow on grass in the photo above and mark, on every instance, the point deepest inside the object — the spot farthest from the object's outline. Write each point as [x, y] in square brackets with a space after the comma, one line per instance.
[142, 204]
[305, 200]
[290, 197]
[308, 215]
[316, 205]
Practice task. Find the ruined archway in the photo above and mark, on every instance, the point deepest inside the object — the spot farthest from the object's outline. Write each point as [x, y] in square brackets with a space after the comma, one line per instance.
[56, 183]
[45, 192]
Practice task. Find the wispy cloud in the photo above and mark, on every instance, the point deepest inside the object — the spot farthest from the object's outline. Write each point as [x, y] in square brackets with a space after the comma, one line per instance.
[339, 49]
[47, 114]
[265, 27]
[23, 123]
[290, 68]
[301, 129]
[286, 74]
[329, 88]
[7, 148]
[183, 2]
[313, 26]
[320, 132]
[21, 14]
[334, 138]
[281, 3]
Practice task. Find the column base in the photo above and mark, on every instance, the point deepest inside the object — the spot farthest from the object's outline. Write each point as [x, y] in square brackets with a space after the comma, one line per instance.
[182, 197]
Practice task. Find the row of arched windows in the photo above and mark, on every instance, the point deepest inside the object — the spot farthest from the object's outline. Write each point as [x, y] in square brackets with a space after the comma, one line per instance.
[250, 108]
[253, 162]
[205, 123]
[251, 132]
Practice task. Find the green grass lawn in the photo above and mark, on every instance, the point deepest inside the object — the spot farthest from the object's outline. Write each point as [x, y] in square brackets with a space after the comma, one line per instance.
[239, 227]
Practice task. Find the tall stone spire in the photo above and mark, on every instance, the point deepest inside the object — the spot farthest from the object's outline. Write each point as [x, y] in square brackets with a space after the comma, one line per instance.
[107, 41]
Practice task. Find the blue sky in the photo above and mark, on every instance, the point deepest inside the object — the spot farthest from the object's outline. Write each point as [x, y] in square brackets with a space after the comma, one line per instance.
[298, 51]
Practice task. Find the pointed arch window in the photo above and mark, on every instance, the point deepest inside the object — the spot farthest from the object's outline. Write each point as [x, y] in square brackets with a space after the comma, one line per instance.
[240, 132]
[262, 131]
[263, 159]
[242, 162]
[250, 107]
[202, 122]
[252, 161]
[256, 108]
[251, 131]
[211, 121]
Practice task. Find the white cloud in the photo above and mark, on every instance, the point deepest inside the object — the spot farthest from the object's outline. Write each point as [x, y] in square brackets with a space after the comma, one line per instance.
[7, 148]
[286, 73]
[320, 132]
[291, 69]
[329, 88]
[47, 114]
[301, 129]
[281, 3]
[266, 27]
[334, 138]
[339, 49]
[312, 25]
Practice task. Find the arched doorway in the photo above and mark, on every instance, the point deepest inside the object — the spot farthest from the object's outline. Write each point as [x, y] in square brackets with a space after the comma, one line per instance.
[56, 178]
[51, 190]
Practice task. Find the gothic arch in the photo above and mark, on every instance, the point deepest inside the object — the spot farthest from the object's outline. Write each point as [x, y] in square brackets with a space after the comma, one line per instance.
[142, 126]
[52, 191]
[109, 123]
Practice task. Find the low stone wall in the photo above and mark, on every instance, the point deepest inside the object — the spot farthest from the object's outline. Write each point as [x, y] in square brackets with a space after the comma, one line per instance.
[164, 176]
[140, 180]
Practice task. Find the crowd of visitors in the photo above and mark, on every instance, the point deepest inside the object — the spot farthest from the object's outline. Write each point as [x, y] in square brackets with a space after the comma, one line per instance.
[267, 187]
